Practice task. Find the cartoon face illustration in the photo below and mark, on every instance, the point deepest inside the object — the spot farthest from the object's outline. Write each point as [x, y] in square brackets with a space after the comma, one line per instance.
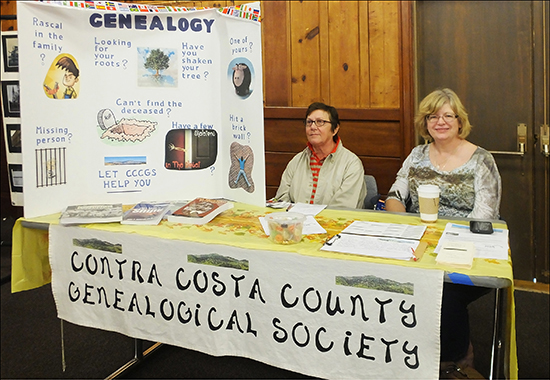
[238, 74]
[63, 70]
[69, 79]
[241, 79]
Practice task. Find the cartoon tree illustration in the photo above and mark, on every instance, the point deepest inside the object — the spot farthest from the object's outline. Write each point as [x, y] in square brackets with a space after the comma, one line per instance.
[157, 60]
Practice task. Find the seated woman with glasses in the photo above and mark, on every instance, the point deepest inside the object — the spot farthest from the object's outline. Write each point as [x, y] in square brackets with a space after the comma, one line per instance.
[470, 187]
[466, 174]
[324, 172]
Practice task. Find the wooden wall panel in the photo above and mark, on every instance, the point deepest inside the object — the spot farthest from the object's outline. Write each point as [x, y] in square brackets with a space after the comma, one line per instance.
[277, 164]
[284, 135]
[384, 49]
[8, 9]
[345, 62]
[276, 51]
[305, 52]
[364, 55]
[346, 54]
[371, 138]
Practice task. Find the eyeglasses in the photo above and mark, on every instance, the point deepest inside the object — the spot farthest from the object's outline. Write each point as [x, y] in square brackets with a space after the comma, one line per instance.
[319, 123]
[448, 117]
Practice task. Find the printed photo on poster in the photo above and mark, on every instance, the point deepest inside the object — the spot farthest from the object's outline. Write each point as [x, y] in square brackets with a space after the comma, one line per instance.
[241, 73]
[157, 67]
[16, 178]
[10, 99]
[13, 136]
[10, 55]
[190, 149]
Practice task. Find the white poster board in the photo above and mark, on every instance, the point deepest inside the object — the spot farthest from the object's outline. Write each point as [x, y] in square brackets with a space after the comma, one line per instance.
[333, 319]
[122, 103]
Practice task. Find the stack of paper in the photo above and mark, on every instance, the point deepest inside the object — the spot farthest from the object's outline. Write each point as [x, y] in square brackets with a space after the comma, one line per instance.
[493, 246]
[388, 240]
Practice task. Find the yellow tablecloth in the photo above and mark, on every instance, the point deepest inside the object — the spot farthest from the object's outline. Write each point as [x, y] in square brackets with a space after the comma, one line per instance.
[241, 227]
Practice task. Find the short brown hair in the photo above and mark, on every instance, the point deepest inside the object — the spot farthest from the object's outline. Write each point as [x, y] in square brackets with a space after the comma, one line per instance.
[332, 112]
[68, 64]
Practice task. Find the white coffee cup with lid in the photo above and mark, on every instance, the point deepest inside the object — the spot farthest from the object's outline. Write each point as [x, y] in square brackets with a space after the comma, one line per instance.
[428, 202]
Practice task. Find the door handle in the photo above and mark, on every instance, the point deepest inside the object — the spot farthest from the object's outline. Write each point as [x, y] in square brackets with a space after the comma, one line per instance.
[522, 142]
[545, 140]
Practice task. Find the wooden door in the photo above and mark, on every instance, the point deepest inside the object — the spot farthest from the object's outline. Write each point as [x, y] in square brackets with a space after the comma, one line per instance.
[491, 54]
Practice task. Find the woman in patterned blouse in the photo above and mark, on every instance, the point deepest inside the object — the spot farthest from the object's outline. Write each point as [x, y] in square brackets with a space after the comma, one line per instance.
[470, 187]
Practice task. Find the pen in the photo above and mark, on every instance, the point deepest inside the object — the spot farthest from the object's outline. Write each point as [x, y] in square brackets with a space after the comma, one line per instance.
[414, 256]
[289, 207]
[332, 239]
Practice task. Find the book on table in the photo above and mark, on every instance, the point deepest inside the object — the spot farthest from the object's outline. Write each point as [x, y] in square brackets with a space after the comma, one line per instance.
[91, 213]
[149, 213]
[199, 211]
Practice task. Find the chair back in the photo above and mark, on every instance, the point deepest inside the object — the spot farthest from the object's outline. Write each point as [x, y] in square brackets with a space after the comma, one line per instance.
[372, 192]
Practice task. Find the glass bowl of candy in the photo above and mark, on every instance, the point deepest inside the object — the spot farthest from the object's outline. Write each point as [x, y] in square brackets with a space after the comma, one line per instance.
[285, 227]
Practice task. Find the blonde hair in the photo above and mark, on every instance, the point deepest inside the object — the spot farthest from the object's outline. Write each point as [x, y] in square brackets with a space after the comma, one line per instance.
[433, 102]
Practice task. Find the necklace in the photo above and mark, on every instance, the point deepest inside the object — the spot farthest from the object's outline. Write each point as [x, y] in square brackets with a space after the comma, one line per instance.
[442, 166]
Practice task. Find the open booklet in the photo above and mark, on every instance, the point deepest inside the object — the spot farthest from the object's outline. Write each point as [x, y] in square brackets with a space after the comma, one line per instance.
[387, 240]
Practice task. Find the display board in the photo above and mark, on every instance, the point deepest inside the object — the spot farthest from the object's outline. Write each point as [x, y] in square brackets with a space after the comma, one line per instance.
[122, 103]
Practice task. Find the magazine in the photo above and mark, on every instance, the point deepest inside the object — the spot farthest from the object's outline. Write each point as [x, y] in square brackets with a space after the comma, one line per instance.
[199, 211]
[150, 213]
[91, 213]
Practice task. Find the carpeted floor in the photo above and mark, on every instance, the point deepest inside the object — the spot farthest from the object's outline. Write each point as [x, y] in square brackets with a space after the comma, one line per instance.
[31, 343]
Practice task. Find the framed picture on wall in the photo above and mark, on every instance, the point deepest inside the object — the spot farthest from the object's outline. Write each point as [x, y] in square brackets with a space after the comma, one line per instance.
[10, 98]
[13, 137]
[16, 177]
[10, 55]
